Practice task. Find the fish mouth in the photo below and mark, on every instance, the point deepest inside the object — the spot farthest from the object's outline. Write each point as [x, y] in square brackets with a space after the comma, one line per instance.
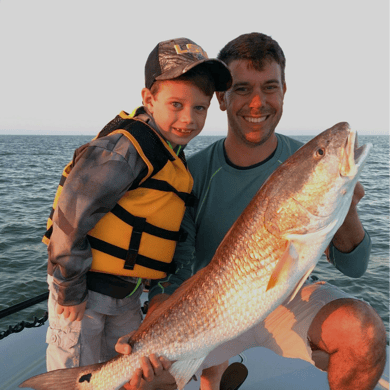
[353, 158]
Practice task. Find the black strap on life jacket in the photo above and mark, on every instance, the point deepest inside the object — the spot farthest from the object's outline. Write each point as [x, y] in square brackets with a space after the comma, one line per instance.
[126, 256]
[111, 285]
[140, 226]
[149, 141]
[189, 200]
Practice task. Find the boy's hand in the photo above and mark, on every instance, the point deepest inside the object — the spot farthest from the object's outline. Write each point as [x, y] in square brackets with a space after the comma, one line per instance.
[73, 313]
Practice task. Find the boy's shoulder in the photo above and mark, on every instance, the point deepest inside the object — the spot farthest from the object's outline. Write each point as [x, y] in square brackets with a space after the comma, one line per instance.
[127, 134]
[115, 143]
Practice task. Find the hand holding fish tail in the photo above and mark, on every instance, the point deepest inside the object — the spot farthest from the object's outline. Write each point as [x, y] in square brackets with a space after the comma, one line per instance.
[152, 375]
[151, 368]
[122, 346]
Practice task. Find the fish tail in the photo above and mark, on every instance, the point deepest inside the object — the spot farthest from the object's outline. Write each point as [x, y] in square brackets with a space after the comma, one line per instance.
[63, 379]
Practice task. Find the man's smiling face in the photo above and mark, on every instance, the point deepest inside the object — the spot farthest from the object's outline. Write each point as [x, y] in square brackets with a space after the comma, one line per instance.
[254, 103]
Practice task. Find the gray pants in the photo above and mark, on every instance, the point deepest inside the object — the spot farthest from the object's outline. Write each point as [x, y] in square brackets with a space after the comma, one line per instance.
[93, 339]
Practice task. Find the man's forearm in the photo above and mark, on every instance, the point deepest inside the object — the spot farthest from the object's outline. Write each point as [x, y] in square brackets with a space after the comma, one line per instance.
[350, 248]
[350, 233]
[155, 302]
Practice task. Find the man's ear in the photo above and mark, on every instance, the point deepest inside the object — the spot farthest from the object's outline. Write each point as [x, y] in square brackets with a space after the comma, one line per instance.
[221, 100]
[147, 99]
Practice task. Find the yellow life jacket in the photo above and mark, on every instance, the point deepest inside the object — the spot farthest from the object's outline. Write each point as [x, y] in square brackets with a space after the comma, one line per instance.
[138, 236]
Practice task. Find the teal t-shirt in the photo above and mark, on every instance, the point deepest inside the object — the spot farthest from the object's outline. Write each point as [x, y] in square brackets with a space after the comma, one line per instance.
[224, 191]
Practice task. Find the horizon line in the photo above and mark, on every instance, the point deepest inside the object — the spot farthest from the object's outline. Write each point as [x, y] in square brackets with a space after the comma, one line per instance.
[47, 133]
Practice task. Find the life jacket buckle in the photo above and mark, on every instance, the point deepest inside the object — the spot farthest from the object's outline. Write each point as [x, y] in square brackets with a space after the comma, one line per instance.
[135, 240]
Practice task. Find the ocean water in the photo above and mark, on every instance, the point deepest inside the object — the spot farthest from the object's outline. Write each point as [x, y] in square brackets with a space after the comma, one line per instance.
[30, 169]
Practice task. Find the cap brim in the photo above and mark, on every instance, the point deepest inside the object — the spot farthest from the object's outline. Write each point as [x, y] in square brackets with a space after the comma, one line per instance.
[218, 69]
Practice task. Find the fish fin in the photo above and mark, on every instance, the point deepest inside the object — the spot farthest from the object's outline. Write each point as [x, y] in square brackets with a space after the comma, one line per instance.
[300, 283]
[63, 379]
[183, 370]
[285, 264]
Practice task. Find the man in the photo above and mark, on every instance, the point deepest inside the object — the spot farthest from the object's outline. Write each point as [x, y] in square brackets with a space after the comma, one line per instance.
[322, 324]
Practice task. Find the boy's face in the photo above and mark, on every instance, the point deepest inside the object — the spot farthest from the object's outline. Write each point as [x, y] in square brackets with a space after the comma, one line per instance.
[179, 110]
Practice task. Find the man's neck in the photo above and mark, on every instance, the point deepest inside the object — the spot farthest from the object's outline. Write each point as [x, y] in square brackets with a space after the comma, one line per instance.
[243, 155]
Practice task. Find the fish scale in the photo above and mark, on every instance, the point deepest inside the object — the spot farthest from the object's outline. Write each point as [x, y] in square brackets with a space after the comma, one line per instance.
[261, 262]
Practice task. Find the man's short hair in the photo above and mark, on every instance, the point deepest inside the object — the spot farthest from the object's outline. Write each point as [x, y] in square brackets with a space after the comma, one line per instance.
[256, 48]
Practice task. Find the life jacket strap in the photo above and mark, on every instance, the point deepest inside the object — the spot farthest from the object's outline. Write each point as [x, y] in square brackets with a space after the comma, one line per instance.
[121, 253]
[189, 200]
[111, 285]
[135, 241]
[140, 225]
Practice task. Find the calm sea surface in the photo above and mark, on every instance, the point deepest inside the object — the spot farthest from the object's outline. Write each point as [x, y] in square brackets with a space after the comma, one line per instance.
[30, 169]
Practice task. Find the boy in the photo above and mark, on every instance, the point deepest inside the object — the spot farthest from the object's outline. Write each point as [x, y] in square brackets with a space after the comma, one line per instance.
[118, 209]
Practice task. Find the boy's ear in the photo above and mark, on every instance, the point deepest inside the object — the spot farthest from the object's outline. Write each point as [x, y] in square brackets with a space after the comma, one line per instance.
[221, 100]
[147, 99]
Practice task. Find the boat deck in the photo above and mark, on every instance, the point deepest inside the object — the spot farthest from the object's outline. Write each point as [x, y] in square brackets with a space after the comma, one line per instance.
[22, 355]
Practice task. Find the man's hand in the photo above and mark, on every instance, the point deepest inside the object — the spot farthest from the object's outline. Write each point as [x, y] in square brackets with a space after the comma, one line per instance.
[153, 373]
[73, 313]
[351, 232]
[358, 194]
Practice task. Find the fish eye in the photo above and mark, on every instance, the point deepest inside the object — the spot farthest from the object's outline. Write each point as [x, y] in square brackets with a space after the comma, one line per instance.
[320, 152]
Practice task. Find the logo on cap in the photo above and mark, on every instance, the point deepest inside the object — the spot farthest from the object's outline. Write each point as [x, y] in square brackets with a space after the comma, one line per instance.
[190, 48]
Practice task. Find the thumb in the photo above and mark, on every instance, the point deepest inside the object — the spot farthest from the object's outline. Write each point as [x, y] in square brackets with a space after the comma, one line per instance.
[122, 346]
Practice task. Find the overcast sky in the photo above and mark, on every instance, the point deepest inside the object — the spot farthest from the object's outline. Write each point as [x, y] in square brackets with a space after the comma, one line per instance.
[68, 67]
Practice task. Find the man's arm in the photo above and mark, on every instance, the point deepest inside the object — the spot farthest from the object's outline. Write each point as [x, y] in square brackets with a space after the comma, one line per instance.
[350, 248]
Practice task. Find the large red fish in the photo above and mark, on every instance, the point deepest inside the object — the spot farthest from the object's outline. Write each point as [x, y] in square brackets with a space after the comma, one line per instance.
[262, 261]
